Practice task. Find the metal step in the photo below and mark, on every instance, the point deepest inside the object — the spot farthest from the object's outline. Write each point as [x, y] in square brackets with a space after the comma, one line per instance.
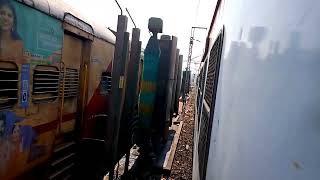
[58, 161]
[63, 146]
[63, 157]
[60, 172]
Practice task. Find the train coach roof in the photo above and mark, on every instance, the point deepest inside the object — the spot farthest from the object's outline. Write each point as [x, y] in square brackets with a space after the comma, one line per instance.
[64, 12]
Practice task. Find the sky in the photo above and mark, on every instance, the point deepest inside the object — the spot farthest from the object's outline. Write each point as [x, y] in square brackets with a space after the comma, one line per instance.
[178, 17]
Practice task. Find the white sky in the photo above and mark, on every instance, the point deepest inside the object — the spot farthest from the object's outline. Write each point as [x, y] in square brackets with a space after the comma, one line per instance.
[178, 17]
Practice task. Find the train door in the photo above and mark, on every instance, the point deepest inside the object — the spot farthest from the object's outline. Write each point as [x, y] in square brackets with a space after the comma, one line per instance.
[70, 91]
[73, 89]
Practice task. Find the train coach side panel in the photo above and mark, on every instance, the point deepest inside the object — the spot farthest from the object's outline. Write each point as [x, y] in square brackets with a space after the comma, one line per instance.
[30, 57]
[98, 85]
[101, 61]
[266, 118]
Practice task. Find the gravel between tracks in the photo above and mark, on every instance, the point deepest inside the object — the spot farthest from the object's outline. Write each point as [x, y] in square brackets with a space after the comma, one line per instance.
[182, 163]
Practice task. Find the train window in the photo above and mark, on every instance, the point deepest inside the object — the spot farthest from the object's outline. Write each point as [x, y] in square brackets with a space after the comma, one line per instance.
[203, 80]
[105, 86]
[210, 90]
[211, 74]
[45, 84]
[9, 77]
[199, 93]
[71, 83]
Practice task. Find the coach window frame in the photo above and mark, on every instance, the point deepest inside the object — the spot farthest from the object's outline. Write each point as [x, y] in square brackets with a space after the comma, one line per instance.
[219, 39]
[8, 70]
[49, 99]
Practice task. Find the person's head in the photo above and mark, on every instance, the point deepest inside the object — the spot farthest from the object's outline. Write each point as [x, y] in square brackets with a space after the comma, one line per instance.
[8, 19]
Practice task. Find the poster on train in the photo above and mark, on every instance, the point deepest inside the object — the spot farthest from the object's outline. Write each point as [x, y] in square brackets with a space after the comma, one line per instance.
[28, 35]
[28, 38]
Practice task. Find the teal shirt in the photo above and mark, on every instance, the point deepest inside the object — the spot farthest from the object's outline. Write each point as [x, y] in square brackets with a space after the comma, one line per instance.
[149, 81]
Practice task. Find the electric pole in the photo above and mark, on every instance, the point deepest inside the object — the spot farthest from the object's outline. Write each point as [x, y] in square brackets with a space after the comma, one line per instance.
[187, 79]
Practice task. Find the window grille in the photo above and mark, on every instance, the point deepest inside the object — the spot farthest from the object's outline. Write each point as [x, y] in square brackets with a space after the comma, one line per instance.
[71, 86]
[45, 84]
[9, 77]
[208, 105]
[105, 86]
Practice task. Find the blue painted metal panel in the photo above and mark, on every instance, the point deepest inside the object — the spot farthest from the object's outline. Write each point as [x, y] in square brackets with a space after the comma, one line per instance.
[25, 81]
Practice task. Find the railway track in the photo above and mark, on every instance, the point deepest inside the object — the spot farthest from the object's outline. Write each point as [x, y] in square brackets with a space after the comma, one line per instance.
[175, 159]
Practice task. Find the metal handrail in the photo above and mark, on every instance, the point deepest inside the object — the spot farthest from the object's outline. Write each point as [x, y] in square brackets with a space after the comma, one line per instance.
[62, 95]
